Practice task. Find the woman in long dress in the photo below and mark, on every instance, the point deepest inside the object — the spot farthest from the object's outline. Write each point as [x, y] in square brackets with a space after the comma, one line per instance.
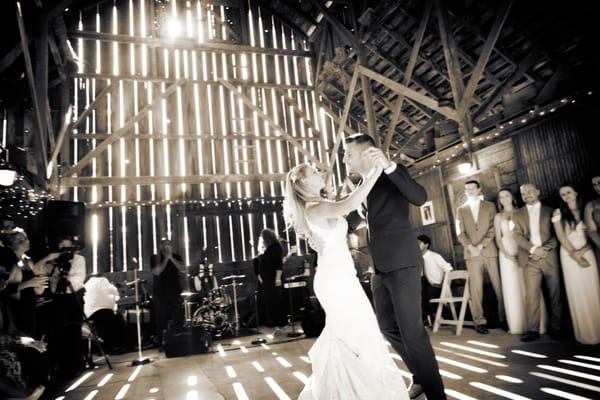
[350, 359]
[592, 218]
[579, 267]
[513, 280]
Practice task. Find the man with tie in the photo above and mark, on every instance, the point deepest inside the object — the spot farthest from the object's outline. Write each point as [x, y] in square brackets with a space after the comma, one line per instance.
[475, 223]
[539, 259]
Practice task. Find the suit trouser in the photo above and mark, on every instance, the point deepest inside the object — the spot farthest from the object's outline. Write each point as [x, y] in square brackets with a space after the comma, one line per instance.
[476, 266]
[534, 271]
[397, 298]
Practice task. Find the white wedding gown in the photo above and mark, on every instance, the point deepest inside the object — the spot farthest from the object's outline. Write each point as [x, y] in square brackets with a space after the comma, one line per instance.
[513, 284]
[350, 359]
[582, 285]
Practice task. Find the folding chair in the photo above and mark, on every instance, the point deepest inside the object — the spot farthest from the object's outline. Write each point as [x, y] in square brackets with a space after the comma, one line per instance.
[447, 298]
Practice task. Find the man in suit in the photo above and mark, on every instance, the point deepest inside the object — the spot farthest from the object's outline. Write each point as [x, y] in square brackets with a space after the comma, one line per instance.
[475, 221]
[398, 262]
[538, 256]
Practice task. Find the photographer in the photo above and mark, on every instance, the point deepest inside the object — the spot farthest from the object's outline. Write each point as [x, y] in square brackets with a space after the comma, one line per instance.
[67, 274]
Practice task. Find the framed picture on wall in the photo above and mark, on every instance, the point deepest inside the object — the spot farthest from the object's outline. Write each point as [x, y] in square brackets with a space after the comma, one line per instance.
[427, 213]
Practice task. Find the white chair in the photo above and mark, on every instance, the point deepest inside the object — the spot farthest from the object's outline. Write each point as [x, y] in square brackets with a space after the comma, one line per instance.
[447, 298]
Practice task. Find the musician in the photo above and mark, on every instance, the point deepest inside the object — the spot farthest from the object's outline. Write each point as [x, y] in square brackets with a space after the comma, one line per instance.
[270, 268]
[167, 304]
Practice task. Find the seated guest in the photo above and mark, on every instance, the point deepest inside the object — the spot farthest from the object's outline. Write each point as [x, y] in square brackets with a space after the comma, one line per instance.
[100, 306]
[580, 271]
[166, 267]
[537, 256]
[434, 269]
[592, 217]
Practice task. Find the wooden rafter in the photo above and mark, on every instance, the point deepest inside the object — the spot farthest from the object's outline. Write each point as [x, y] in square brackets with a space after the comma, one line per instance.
[410, 93]
[465, 124]
[152, 180]
[274, 125]
[412, 61]
[191, 136]
[120, 132]
[186, 44]
[484, 56]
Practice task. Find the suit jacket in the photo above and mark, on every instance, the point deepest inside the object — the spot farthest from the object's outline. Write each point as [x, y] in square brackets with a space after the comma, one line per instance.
[481, 232]
[522, 235]
[392, 241]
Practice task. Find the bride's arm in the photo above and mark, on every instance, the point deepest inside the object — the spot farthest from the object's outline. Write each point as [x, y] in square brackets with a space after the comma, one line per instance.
[327, 209]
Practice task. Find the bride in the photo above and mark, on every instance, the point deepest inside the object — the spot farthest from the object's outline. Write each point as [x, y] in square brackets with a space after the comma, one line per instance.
[350, 359]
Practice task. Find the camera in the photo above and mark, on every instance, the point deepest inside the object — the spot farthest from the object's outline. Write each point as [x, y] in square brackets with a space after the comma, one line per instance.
[63, 262]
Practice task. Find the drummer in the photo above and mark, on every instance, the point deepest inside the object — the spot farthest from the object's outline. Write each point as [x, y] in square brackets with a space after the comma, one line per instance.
[167, 303]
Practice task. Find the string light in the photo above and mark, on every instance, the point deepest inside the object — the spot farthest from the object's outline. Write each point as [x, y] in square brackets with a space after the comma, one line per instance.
[21, 200]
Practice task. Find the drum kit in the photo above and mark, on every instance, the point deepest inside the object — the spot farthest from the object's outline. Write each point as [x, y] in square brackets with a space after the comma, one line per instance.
[213, 311]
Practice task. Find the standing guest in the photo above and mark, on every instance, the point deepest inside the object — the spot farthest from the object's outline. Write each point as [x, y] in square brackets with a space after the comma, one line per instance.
[580, 271]
[166, 267]
[476, 234]
[434, 270]
[270, 267]
[537, 256]
[592, 217]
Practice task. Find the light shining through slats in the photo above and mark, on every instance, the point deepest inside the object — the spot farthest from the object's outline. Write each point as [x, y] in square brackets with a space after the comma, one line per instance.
[305, 359]
[192, 380]
[570, 372]
[221, 351]
[562, 394]
[449, 375]
[509, 379]
[91, 395]
[230, 371]
[566, 381]
[283, 362]
[529, 354]
[239, 391]
[79, 381]
[135, 373]
[462, 365]
[192, 395]
[281, 395]
[473, 350]
[301, 377]
[588, 358]
[105, 379]
[458, 395]
[470, 357]
[482, 344]
[258, 367]
[243, 349]
[581, 364]
[497, 391]
[122, 391]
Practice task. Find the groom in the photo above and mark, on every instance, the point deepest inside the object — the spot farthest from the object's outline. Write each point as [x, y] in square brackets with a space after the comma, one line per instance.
[398, 262]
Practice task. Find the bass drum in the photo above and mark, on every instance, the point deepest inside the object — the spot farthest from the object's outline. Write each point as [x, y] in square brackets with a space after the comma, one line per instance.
[219, 298]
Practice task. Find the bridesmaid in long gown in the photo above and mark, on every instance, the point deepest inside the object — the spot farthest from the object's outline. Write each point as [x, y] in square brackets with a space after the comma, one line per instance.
[592, 218]
[513, 284]
[580, 270]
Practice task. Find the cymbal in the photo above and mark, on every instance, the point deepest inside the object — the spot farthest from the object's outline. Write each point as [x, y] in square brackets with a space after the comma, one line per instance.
[233, 277]
[232, 284]
[186, 294]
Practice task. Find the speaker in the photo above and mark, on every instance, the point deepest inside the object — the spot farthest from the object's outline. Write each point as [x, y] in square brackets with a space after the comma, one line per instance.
[186, 341]
[65, 218]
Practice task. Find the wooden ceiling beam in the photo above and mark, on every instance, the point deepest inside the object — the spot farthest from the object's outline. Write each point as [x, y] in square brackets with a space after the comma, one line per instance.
[412, 61]
[451, 51]
[191, 136]
[484, 56]
[122, 131]
[79, 181]
[187, 44]
[282, 18]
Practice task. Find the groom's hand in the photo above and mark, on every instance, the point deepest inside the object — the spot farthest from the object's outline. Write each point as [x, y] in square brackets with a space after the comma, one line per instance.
[378, 158]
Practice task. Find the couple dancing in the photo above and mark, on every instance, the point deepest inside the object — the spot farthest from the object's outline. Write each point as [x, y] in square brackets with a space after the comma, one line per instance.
[350, 359]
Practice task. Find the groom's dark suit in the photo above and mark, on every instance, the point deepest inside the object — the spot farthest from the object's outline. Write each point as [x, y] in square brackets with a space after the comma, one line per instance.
[397, 281]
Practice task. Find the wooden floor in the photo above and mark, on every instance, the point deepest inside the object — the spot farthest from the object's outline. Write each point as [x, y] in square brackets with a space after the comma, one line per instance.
[473, 366]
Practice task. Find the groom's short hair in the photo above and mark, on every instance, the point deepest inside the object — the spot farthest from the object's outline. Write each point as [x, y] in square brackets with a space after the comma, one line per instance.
[360, 138]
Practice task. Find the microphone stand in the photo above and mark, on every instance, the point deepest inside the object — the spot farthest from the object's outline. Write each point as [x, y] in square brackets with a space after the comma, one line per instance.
[258, 340]
[141, 360]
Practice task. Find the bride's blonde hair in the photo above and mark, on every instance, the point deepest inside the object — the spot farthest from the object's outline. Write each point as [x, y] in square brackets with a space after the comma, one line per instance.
[294, 205]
